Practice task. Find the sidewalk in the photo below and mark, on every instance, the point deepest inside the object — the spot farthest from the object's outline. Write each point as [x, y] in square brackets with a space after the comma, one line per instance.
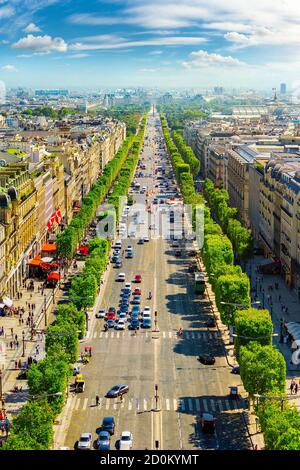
[288, 299]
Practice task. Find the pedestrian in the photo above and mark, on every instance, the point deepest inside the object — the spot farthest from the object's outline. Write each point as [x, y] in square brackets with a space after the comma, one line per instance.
[16, 364]
[97, 400]
[17, 344]
[20, 364]
[11, 345]
[121, 398]
[16, 337]
[296, 388]
[292, 386]
[279, 298]
[12, 331]
[286, 310]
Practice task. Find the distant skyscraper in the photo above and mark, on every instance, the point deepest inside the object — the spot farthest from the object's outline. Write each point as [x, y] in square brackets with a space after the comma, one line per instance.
[218, 90]
[282, 88]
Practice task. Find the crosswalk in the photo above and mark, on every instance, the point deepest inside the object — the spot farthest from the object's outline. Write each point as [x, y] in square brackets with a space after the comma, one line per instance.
[202, 335]
[184, 405]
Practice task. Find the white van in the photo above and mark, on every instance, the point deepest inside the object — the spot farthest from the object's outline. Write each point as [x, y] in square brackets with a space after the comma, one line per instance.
[118, 245]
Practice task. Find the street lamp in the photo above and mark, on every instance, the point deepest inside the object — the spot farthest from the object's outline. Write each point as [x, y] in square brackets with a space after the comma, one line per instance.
[45, 308]
[1, 392]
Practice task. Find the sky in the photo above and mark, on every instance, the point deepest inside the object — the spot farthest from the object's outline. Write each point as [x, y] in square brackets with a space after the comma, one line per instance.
[162, 43]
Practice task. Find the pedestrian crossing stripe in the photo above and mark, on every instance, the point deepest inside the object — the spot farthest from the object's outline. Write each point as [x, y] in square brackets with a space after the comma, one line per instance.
[205, 336]
[181, 405]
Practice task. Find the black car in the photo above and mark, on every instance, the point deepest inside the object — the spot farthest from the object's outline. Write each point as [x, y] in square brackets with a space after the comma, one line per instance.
[207, 359]
[192, 268]
[235, 370]
[211, 323]
[117, 391]
[22, 375]
[108, 424]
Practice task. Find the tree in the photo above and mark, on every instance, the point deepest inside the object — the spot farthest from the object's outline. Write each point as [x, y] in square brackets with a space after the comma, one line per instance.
[263, 369]
[233, 289]
[69, 312]
[217, 250]
[252, 325]
[65, 335]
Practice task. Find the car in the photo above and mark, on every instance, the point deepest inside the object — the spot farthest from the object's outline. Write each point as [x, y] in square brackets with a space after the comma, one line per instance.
[192, 268]
[108, 424]
[126, 440]
[147, 310]
[207, 359]
[129, 248]
[146, 239]
[147, 322]
[211, 323]
[112, 309]
[135, 309]
[115, 258]
[118, 264]
[177, 253]
[121, 277]
[141, 241]
[110, 316]
[131, 234]
[123, 316]
[120, 325]
[127, 286]
[129, 255]
[117, 390]
[118, 245]
[137, 291]
[137, 278]
[124, 308]
[124, 301]
[100, 313]
[85, 441]
[235, 370]
[103, 441]
[136, 300]
[110, 323]
[145, 315]
[134, 324]
[23, 374]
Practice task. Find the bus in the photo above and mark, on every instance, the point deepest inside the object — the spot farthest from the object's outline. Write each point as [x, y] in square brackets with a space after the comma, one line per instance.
[199, 283]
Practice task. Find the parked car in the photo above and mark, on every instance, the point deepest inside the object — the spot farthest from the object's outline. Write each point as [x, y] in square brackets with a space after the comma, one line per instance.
[110, 323]
[120, 325]
[100, 313]
[211, 323]
[207, 359]
[147, 322]
[126, 441]
[134, 324]
[138, 278]
[136, 299]
[121, 277]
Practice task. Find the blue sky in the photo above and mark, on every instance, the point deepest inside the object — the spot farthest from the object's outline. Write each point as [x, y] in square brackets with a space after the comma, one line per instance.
[162, 43]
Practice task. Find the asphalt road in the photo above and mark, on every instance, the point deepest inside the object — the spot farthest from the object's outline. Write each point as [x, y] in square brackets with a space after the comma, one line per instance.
[186, 388]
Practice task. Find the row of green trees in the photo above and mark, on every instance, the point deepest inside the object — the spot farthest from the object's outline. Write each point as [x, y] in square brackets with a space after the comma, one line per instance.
[187, 153]
[262, 366]
[178, 114]
[131, 114]
[241, 237]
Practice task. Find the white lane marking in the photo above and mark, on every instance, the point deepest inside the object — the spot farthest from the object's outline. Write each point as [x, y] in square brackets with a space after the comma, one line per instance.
[115, 405]
[101, 334]
[77, 403]
[175, 403]
[85, 403]
[167, 404]
[190, 404]
[170, 334]
[118, 335]
[107, 404]
[212, 404]
[205, 405]
[145, 405]
[146, 334]
[112, 334]
[164, 334]
[106, 334]
[95, 334]
[227, 405]
[197, 401]
[130, 404]
[137, 404]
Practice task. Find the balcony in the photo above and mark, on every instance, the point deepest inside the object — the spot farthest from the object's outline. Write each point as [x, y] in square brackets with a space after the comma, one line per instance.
[286, 211]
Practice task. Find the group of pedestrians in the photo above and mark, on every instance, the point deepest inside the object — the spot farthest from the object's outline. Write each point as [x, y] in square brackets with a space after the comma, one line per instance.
[294, 387]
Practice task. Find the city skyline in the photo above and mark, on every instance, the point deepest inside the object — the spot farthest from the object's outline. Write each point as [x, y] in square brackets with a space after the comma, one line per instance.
[165, 44]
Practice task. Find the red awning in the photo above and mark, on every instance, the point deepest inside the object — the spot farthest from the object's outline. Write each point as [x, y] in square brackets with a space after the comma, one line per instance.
[49, 247]
[53, 276]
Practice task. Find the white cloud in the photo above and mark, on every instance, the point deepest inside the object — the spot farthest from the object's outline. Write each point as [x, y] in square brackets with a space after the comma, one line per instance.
[41, 44]
[6, 12]
[32, 28]
[202, 58]
[9, 68]
[148, 70]
[157, 52]
[93, 20]
[165, 41]
[78, 56]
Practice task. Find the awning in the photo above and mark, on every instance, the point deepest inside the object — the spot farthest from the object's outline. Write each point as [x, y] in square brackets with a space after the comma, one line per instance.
[35, 262]
[294, 329]
[53, 276]
[49, 247]
[7, 301]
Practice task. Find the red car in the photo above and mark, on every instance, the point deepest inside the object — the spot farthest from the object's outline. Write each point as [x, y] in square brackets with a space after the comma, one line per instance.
[137, 291]
[137, 278]
[110, 316]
